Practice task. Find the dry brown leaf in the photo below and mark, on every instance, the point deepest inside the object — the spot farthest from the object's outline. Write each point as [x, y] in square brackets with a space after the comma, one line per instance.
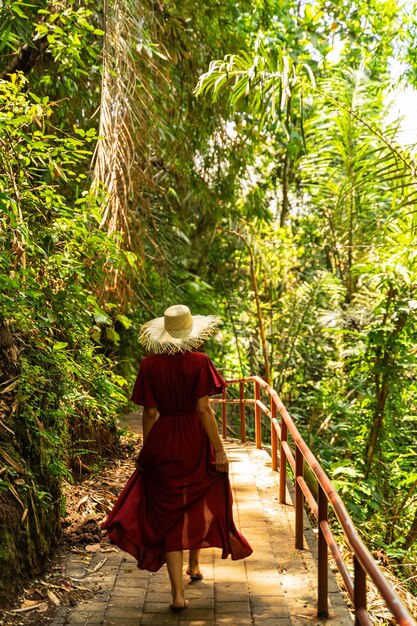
[99, 565]
[16, 495]
[93, 547]
[81, 502]
[65, 586]
[12, 462]
[10, 387]
[27, 605]
[53, 598]
[3, 425]
[110, 550]
[110, 495]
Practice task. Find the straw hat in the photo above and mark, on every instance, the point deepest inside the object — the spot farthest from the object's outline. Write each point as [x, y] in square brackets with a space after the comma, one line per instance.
[177, 331]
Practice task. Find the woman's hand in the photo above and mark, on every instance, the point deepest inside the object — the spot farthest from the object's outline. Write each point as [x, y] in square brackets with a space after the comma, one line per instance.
[221, 460]
[210, 425]
[149, 416]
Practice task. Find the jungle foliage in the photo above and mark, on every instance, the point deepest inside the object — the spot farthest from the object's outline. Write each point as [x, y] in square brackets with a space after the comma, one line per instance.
[197, 152]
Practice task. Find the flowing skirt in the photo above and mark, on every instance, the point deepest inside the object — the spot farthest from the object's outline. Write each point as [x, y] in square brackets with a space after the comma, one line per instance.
[175, 500]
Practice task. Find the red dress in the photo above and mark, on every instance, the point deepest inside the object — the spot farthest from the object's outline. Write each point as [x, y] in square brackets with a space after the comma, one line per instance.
[176, 500]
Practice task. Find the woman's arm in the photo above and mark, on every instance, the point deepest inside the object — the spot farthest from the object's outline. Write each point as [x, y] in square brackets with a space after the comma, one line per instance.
[148, 420]
[210, 426]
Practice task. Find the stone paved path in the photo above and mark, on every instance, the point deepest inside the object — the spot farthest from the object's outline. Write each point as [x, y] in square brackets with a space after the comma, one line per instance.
[275, 586]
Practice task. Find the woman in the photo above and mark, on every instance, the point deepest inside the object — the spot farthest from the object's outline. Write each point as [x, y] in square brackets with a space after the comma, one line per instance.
[179, 497]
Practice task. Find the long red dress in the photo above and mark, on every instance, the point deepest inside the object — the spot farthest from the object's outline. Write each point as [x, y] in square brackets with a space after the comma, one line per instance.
[176, 500]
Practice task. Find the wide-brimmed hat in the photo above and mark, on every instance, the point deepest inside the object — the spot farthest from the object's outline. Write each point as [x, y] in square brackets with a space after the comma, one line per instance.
[177, 330]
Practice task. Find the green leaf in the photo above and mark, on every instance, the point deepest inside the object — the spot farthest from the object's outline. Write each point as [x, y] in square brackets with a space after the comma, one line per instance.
[346, 471]
[112, 335]
[125, 321]
[5, 36]
[59, 345]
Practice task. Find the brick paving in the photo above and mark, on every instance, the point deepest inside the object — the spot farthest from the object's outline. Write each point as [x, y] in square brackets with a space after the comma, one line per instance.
[275, 586]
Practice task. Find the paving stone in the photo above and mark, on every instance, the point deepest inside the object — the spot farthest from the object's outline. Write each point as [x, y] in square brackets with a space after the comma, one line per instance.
[261, 602]
[232, 597]
[129, 583]
[102, 595]
[115, 621]
[231, 585]
[195, 622]
[200, 590]
[158, 620]
[266, 588]
[155, 607]
[155, 591]
[92, 606]
[284, 620]
[123, 612]
[233, 607]
[101, 580]
[121, 593]
[237, 619]
[198, 614]
[58, 622]
[83, 617]
[201, 604]
[126, 601]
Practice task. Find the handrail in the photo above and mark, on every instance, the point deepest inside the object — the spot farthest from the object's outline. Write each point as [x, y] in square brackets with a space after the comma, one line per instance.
[364, 563]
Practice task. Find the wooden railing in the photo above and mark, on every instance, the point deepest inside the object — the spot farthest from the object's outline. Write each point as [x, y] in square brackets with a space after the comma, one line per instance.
[363, 563]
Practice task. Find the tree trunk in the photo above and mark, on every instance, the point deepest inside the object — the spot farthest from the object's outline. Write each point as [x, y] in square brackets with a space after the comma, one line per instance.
[286, 169]
[411, 535]
[383, 370]
[258, 306]
[26, 58]
[377, 423]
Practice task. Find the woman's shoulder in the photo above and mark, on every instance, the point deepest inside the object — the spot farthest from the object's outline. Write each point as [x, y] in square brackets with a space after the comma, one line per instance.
[148, 360]
[198, 357]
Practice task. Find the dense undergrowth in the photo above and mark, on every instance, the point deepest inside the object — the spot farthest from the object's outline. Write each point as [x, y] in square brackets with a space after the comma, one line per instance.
[60, 392]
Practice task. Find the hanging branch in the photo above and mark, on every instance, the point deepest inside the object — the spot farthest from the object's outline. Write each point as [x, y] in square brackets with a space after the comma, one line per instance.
[232, 320]
[115, 152]
[258, 303]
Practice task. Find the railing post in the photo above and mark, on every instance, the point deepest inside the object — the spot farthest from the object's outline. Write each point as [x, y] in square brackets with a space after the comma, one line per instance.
[258, 434]
[323, 579]
[359, 590]
[274, 436]
[283, 463]
[224, 415]
[242, 412]
[299, 500]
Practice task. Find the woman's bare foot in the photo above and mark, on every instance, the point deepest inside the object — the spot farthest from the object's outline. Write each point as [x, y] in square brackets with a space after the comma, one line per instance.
[178, 604]
[194, 573]
[174, 565]
[193, 569]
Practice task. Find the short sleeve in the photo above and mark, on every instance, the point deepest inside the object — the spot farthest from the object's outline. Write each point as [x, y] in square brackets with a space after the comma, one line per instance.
[142, 391]
[209, 380]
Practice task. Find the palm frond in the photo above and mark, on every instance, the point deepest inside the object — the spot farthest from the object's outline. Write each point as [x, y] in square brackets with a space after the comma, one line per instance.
[122, 160]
